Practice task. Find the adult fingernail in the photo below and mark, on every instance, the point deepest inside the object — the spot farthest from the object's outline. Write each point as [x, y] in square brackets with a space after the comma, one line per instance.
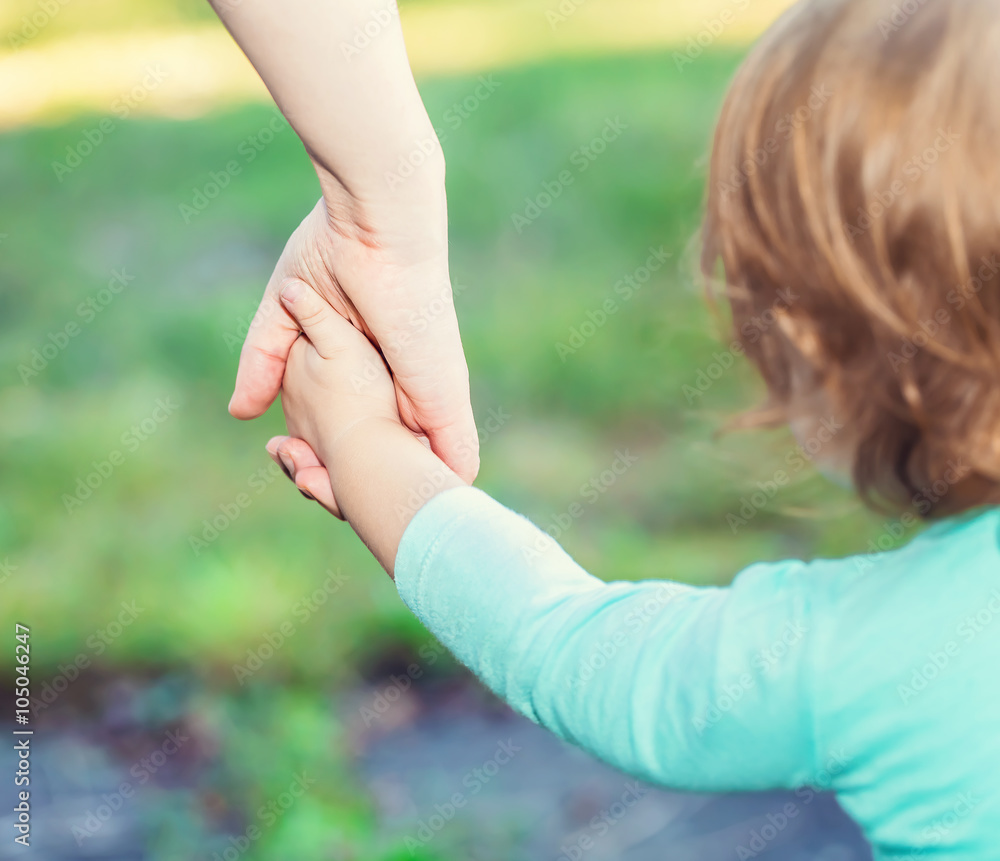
[292, 291]
[287, 462]
[307, 495]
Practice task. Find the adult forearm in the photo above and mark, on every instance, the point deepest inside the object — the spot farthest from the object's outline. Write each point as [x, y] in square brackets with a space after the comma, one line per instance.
[338, 71]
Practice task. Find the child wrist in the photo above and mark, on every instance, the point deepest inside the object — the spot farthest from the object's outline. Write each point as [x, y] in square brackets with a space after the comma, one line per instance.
[344, 446]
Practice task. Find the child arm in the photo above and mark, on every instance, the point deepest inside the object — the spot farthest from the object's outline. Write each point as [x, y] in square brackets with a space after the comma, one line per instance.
[676, 684]
[338, 396]
[695, 688]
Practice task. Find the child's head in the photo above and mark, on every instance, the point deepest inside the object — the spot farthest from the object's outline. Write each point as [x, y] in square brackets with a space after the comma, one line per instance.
[854, 202]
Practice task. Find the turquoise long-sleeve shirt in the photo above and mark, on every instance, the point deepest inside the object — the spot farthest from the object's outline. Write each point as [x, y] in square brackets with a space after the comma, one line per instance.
[876, 677]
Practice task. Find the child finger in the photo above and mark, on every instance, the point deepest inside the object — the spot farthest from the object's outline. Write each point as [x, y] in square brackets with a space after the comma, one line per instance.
[315, 482]
[273, 445]
[323, 326]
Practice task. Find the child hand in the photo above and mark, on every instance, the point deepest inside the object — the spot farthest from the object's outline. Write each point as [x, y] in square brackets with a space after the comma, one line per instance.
[335, 382]
[299, 462]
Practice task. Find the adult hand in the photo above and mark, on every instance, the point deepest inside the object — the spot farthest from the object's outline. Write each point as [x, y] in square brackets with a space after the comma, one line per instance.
[393, 284]
[376, 245]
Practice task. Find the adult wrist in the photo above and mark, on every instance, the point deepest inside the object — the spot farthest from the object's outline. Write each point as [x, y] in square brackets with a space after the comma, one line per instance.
[410, 169]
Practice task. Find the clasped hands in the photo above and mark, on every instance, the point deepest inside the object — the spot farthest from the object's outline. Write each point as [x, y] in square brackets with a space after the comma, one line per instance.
[334, 334]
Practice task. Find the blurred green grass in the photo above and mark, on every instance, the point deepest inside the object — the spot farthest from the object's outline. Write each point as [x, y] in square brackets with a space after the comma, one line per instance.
[172, 333]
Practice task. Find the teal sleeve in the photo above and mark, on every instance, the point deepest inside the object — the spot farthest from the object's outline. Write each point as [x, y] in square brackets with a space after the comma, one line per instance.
[695, 688]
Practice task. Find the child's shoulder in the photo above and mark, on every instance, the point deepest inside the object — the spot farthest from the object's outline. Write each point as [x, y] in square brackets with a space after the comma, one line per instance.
[966, 542]
[947, 566]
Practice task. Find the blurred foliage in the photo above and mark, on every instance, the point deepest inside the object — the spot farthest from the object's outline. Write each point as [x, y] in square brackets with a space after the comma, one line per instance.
[44, 21]
[174, 333]
[55, 19]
